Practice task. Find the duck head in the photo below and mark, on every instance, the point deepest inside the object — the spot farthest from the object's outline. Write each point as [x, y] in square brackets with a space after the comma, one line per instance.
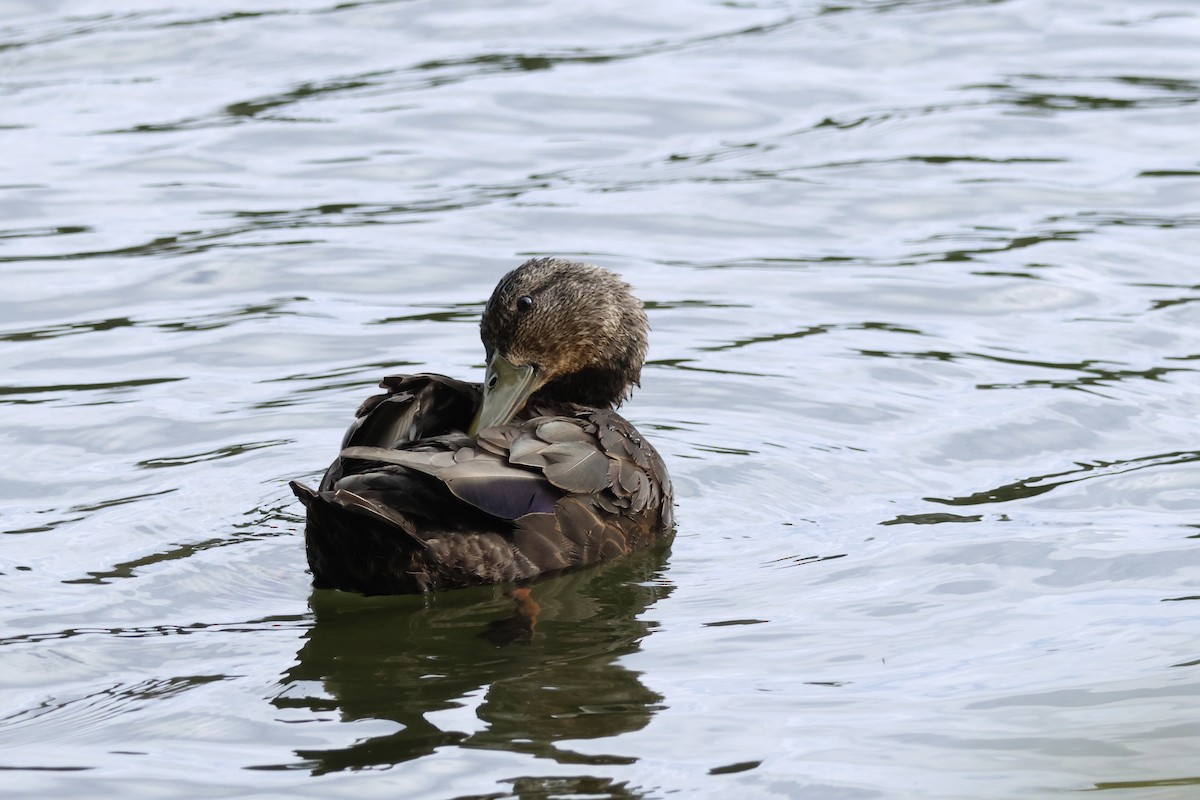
[559, 331]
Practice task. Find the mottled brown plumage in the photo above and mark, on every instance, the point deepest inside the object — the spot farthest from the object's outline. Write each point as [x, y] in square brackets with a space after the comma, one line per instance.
[552, 479]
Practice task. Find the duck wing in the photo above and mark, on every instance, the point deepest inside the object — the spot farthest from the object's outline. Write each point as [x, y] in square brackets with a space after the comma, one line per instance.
[413, 407]
[616, 491]
[526, 468]
[475, 476]
[412, 504]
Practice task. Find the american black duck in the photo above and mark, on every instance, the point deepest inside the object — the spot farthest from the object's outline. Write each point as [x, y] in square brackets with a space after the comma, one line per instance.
[442, 483]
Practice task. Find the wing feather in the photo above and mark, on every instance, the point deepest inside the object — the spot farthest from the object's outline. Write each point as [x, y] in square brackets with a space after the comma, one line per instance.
[480, 478]
[576, 466]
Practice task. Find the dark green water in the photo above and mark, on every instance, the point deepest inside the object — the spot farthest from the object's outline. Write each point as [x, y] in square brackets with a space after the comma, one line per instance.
[923, 283]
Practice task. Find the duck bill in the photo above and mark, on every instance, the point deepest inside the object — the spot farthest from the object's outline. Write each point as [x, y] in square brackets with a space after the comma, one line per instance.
[505, 390]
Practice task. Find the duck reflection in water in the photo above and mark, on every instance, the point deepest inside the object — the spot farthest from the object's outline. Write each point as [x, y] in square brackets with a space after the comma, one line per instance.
[406, 659]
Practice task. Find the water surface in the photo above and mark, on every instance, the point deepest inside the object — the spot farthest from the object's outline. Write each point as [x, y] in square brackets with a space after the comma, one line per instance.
[923, 287]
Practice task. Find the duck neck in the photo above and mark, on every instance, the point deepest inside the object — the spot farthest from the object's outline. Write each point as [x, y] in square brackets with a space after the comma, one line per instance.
[592, 387]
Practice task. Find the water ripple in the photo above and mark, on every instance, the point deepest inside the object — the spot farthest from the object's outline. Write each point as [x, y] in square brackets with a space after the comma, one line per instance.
[63, 721]
[855, 225]
[1040, 484]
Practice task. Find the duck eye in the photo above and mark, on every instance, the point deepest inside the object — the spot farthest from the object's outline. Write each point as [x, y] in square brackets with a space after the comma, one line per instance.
[524, 303]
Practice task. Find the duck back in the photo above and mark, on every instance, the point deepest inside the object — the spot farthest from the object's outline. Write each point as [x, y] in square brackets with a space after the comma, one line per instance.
[414, 505]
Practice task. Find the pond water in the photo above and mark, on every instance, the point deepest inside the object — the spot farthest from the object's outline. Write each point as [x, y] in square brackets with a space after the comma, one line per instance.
[922, 277]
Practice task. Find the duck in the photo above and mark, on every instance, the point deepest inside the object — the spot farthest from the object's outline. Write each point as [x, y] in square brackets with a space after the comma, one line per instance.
[442, 483]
